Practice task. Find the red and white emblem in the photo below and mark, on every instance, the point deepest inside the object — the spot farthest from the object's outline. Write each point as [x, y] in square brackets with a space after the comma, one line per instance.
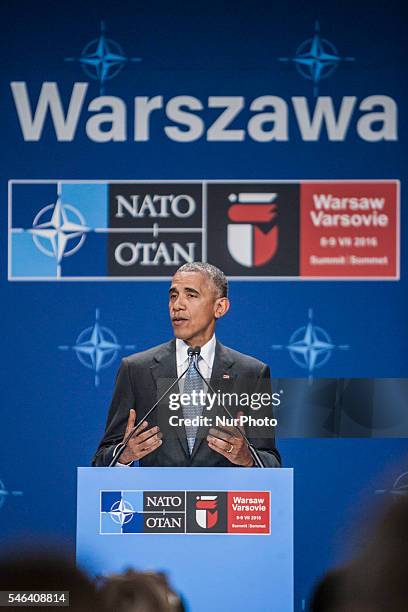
[247, 243]
[206, 511]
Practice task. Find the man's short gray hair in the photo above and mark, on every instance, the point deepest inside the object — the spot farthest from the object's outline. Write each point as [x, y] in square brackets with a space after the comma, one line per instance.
[216, 276]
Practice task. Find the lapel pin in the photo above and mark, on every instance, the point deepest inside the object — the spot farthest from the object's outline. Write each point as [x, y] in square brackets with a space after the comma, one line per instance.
[226, 376]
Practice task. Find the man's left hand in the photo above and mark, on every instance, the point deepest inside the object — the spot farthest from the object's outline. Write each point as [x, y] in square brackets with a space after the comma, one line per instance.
[229, 443]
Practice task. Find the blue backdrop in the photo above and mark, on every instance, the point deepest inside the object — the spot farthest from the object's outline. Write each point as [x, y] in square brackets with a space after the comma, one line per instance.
[53, 402]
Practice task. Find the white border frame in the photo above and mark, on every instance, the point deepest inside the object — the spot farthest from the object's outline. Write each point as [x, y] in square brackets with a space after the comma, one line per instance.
[204, 183]
[180, 533]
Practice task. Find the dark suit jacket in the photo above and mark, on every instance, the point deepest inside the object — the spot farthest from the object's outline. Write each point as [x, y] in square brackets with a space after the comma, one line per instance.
[143, 377]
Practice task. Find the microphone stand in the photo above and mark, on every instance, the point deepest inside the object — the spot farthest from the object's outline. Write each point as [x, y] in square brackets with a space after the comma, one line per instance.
[253, 451]
[119, 451]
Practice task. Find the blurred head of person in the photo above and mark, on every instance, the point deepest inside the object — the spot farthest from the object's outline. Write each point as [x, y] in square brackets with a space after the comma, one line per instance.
[380, 576]
[377, 579]
[332, 593]
[41, 573]
[134, 591]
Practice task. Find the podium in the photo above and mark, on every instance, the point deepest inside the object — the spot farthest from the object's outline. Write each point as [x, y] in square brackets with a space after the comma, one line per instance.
[223, 536]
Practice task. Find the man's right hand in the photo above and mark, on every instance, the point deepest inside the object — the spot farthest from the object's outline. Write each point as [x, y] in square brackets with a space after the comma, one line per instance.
[142, 443]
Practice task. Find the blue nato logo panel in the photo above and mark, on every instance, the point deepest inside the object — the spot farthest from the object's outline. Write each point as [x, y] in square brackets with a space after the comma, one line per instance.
[55, 228]
[121, 512]
[62, 230]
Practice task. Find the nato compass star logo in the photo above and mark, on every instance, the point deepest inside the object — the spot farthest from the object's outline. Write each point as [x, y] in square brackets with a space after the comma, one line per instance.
[5, 494]
[398, 489]
[316, 59]
[102, 59]
[58, 231]
[96, 347]
[121, 512]
[310, 346]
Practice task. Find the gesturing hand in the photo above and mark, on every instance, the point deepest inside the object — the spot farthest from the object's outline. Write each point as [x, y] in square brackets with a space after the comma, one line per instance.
[229, 443]
[143, 442]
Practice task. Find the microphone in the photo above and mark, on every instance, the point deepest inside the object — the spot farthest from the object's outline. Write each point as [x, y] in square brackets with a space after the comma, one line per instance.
[254, 452]
[120, 449]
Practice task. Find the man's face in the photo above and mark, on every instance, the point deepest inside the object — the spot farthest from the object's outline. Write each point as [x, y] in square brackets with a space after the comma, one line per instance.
[194, 307]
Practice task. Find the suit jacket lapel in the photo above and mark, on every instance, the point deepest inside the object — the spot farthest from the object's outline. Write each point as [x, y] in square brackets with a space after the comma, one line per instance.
[223, 362]
[164, 371]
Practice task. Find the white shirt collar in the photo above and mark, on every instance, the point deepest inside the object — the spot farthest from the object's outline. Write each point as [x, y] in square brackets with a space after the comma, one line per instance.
[207, 352]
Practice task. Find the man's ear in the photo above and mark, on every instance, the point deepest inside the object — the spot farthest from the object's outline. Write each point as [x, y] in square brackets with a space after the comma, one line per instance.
[221, 307]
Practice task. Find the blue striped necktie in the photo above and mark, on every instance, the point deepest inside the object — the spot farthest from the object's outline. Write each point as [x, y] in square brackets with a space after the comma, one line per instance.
[192, 382]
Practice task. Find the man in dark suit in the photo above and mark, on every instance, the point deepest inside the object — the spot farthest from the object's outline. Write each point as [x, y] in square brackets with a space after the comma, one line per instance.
[197, 298]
